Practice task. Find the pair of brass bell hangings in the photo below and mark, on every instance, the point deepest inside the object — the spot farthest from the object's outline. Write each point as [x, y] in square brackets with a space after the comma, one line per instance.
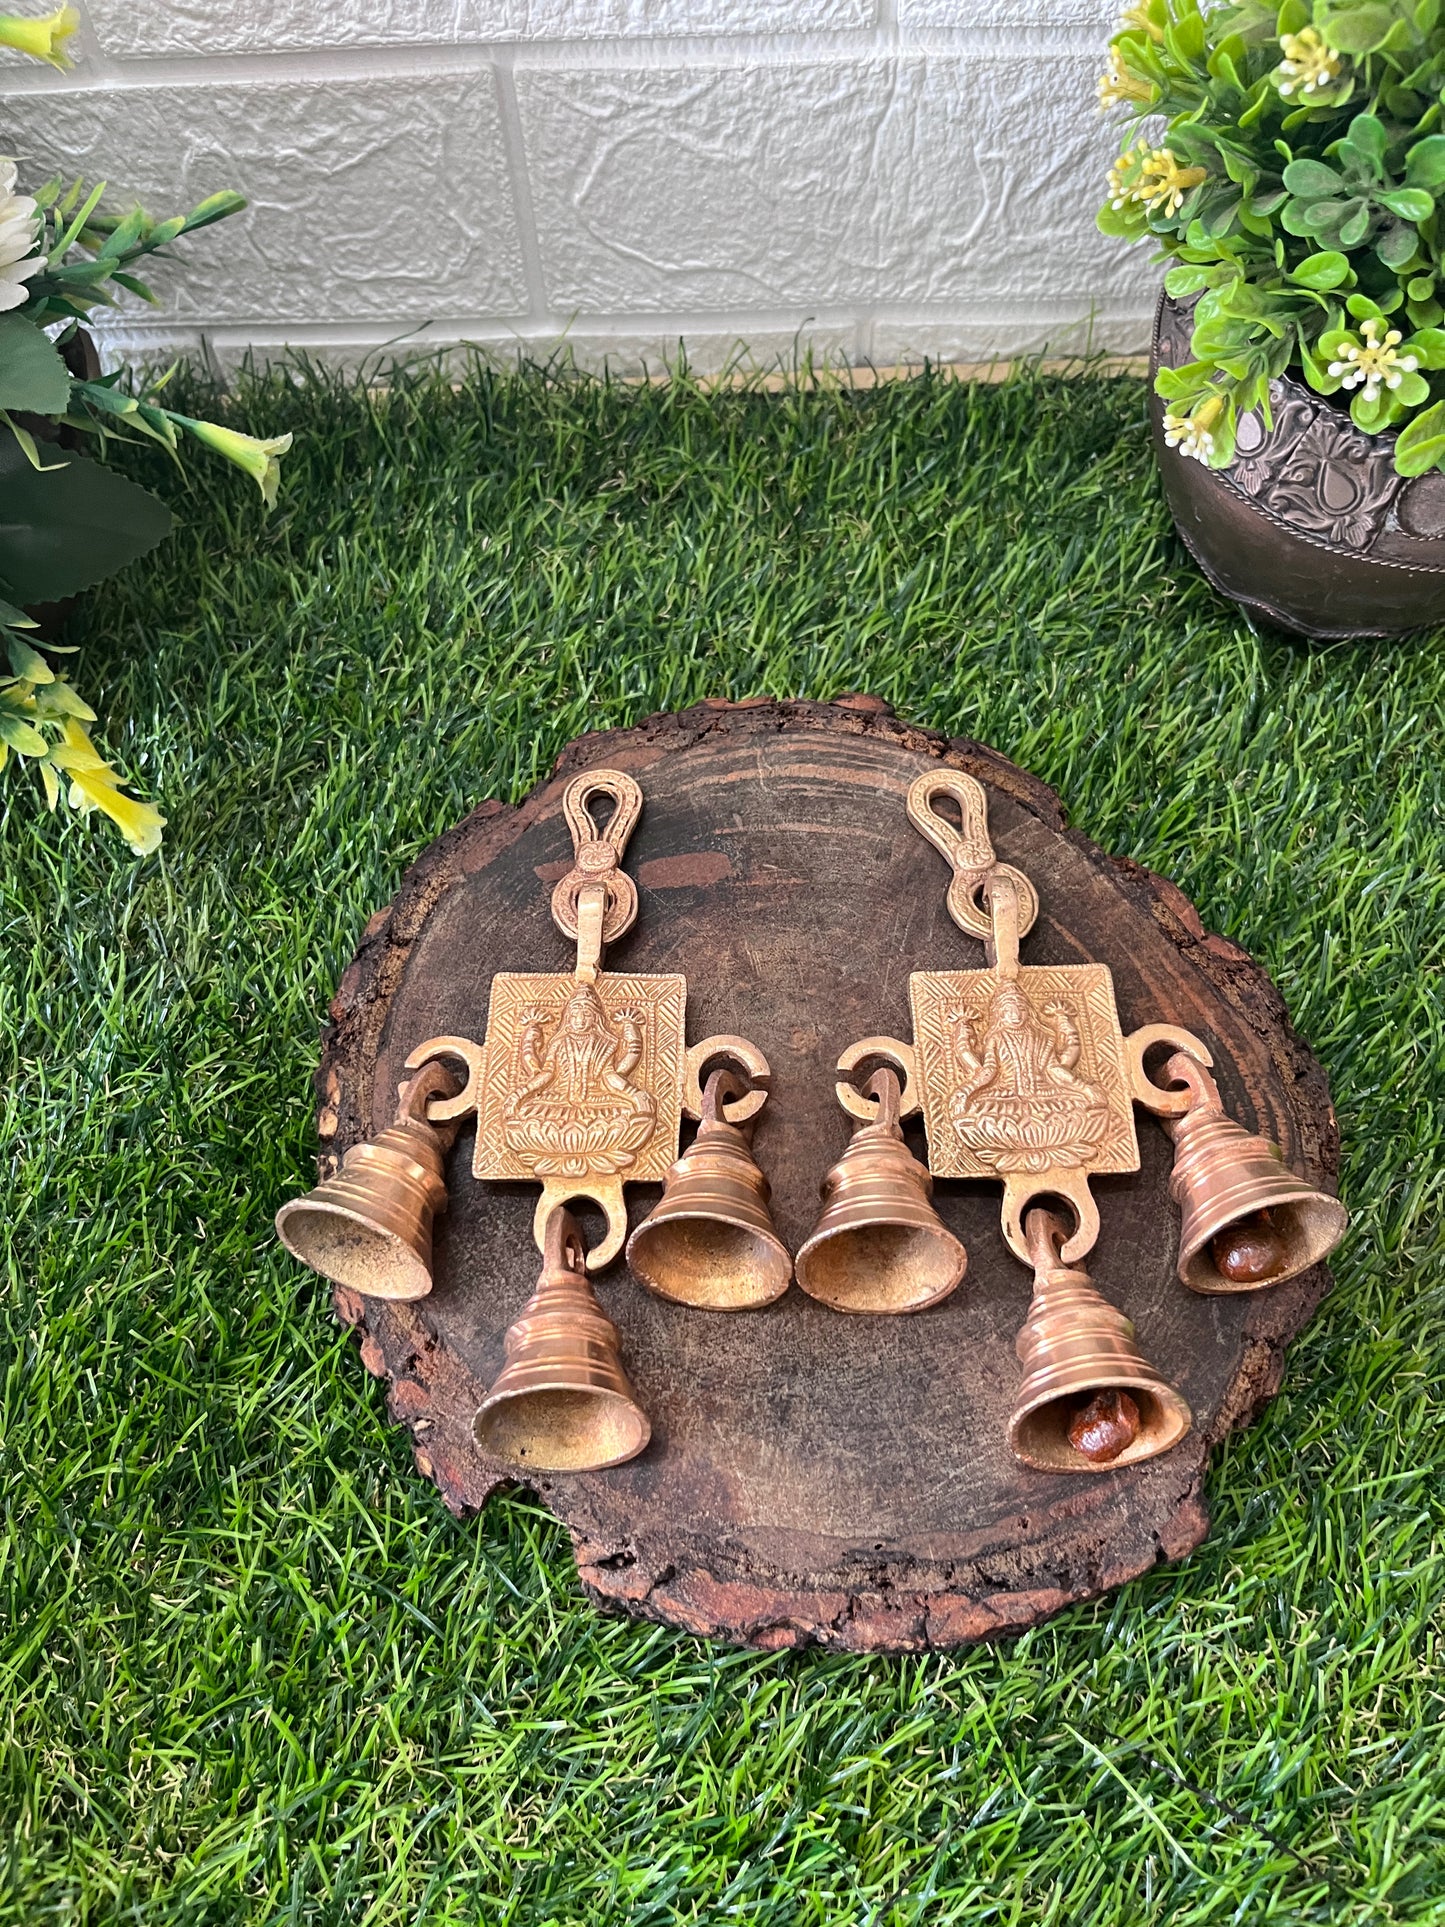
[1022, 1075]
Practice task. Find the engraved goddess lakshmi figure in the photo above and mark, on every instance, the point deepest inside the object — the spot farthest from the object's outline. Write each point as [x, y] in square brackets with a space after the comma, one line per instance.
[576, 1109]
[1019, 1105]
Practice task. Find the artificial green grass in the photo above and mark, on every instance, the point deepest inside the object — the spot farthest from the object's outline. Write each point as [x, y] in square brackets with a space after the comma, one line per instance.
[251, 1670]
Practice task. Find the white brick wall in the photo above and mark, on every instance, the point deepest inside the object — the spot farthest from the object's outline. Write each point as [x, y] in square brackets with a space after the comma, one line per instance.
[881, 179]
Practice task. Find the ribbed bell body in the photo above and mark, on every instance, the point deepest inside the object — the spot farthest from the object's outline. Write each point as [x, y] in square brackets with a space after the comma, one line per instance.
[710, 1241]
[370, 1227]
[879, 1245]
[1224, 1177]
[1074, 1345]
[562, 1402]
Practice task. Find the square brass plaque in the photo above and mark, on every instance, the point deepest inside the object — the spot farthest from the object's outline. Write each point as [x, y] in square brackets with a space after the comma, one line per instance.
[1022, 1074]
[581, 1079]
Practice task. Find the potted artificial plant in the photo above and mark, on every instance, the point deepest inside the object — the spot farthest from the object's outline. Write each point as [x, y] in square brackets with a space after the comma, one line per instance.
[67, 521]
[1293, 173]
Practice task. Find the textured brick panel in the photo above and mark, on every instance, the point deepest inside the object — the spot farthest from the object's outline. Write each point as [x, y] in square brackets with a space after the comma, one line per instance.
[1059, 327]
[921, 179]
[956, 15]
[369, 199]
[124, 29]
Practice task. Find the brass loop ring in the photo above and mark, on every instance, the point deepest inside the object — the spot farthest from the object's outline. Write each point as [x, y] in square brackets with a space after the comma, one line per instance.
[736, 1051]
[969, 911]
[621, 903]
[445, 1110]
[598, 853]
[1142, 1088]
[892, 1050]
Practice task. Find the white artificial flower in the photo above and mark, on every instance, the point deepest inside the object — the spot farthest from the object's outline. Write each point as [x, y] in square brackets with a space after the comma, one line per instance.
[19, 232]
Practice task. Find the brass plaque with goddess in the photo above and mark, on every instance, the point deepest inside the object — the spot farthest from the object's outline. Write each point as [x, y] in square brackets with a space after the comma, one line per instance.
[1020, 1075]
[581, 1080]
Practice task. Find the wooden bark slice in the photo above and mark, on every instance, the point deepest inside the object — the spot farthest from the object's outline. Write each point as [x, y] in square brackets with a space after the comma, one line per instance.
[814, 1477]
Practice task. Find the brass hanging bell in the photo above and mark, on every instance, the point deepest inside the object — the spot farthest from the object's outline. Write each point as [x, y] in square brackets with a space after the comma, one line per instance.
[879, 1245]
[1089, 1402]
[562, 1402]
[370, 1226]
[1247, 1221]
[710, 1240]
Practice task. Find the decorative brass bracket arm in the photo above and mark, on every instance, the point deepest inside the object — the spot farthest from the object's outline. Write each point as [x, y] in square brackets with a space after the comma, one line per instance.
[583, 1079]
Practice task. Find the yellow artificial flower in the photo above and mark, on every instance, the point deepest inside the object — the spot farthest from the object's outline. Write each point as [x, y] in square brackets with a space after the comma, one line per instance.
[42, 39]
[1375, 363]
[1152, 177]
[94, 785]
[1193, 435]
[1309, 66]
[1117, 84]
[1138, 18]
[258, 458]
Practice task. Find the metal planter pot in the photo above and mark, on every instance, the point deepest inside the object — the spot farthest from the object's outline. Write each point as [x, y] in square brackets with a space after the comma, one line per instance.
[1310, 525]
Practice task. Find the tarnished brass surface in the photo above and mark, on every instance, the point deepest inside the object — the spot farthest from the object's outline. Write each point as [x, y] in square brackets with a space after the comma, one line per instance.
[370, 1226]
[711, 1241]
[1073, 1345]
[562, 1402]
[1227, 1179]
[581, 1082]
[879, 1245]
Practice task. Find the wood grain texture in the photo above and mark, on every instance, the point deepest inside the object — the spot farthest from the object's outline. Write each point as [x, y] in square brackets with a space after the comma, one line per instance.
[814, 1477]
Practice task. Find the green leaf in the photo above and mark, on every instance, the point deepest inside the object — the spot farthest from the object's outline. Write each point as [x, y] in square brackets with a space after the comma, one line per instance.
[1425, 162]
[13, 618]
[1413, 389]
[1428, 347]
[1327, 270]
[1410, 203]
[1354, 230]
[1183, 281]
[32, 375]
[26, 662]
[1395, 246]
[1361, 307]
[1358, 30]
[1420, 444]
[20, 735]
[215, 208]
[1367, 137]
[1312, 180]
[64, 528]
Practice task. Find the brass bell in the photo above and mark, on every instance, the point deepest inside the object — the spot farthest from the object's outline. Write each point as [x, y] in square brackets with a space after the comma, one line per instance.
[710, 1240]
[1089, 1402]
[1247, 1220]
[562, 1402]
[370, 1226]
[880, 1246]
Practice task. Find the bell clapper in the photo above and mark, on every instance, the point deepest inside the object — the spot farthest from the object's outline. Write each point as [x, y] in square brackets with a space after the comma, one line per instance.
[1105, 1425]
[1250, 1251]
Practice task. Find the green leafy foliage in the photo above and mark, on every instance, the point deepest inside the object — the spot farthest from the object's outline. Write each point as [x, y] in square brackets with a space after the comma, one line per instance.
[69, 524]
[66, 522]
[1295, 187]
[32, 374]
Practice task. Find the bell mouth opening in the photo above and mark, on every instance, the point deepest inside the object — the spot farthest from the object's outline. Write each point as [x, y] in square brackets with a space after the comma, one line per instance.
[710, 1264]
[351, 1252]
[1040, 1437]
[1307, 1230]
[882, 1268]
[568, 1429]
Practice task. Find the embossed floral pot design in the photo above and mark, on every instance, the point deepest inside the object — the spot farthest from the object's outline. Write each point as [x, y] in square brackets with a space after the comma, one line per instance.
[1310, 525]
